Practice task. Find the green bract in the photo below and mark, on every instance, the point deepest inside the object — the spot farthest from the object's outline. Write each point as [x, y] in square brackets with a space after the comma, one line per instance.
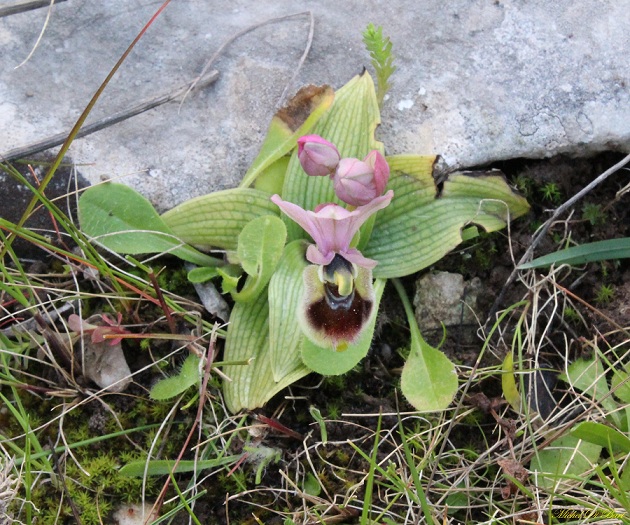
[418, 228]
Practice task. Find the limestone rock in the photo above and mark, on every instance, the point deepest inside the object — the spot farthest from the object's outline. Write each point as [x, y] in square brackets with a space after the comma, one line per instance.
[477, 81]
[445, 298]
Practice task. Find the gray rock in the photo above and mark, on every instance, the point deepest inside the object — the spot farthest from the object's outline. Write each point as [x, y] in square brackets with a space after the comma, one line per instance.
[444, 298]
[477, 81]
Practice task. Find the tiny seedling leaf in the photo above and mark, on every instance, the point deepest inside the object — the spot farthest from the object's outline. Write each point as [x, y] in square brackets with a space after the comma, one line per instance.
[260, 246]
[576, 255]
[124, 221]
[173, 386]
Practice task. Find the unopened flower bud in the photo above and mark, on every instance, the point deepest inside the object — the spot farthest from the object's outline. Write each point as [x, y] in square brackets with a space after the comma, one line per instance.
[317, 156]
[359, 182]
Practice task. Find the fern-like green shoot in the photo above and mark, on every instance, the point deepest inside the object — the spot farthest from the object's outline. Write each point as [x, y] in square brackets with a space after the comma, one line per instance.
[380, 49]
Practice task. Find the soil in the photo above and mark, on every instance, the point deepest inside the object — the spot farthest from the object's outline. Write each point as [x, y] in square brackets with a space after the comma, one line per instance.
[599, 295]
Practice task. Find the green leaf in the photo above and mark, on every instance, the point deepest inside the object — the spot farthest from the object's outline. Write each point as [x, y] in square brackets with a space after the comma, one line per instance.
[594, 251]
[173, 386]
[251, 386]
[565, 458]
[589, 377]
[122, 220]
[621, 386]
[350, 125]
[285, 296]
[602, 435]
[161, 467]
[418, 228]
[289, 124]
[428, 380]
[260, 246]
[330, 363]
[508, 383]
[216, 220]
[230, 274]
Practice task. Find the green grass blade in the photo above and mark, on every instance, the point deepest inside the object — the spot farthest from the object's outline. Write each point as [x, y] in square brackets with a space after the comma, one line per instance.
[591, 252]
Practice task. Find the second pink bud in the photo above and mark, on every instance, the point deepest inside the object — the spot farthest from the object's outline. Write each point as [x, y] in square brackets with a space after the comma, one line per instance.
[359, 182]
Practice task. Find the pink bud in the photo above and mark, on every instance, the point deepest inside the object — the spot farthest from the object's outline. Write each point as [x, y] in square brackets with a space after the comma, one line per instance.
[359, 182]
[317, 156]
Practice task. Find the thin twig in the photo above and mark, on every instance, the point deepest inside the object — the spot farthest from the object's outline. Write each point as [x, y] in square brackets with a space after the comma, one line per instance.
[25, 5]
[218, 52]
[56, 140]
[545, 228]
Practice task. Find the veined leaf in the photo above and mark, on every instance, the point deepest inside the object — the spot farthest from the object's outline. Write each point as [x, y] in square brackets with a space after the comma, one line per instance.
[216, 220]
[330, 363]
[419, 227]
[251, 386]
[285, 295]
[260, 246]
[593, 251]
[289, 124]
[124, 221]
[350, 125]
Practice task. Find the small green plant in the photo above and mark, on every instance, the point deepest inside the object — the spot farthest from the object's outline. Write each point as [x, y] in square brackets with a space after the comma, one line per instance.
[594, 213]
[380, 49]
[604, 294]
[551, 192]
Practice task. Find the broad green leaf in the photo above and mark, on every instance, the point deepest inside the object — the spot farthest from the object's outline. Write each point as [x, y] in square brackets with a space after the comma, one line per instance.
[350, 125]
[428, 380]
[251, 386]
[330, 363]
[161, 467]
[289, 124]
[508, 383]
[285, 295]
[589, 377]
[173, 386]
[602, 435]
[576, 255]
[564, 459]
[122, 220]
[215, 220]
[260, 246]
[419, 227]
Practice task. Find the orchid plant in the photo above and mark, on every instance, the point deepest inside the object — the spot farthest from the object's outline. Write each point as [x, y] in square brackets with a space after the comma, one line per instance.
[316, 233]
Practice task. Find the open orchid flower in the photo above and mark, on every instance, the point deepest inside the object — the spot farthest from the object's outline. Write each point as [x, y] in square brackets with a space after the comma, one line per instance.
[332, 227]
[337, 303]
[338, 293]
